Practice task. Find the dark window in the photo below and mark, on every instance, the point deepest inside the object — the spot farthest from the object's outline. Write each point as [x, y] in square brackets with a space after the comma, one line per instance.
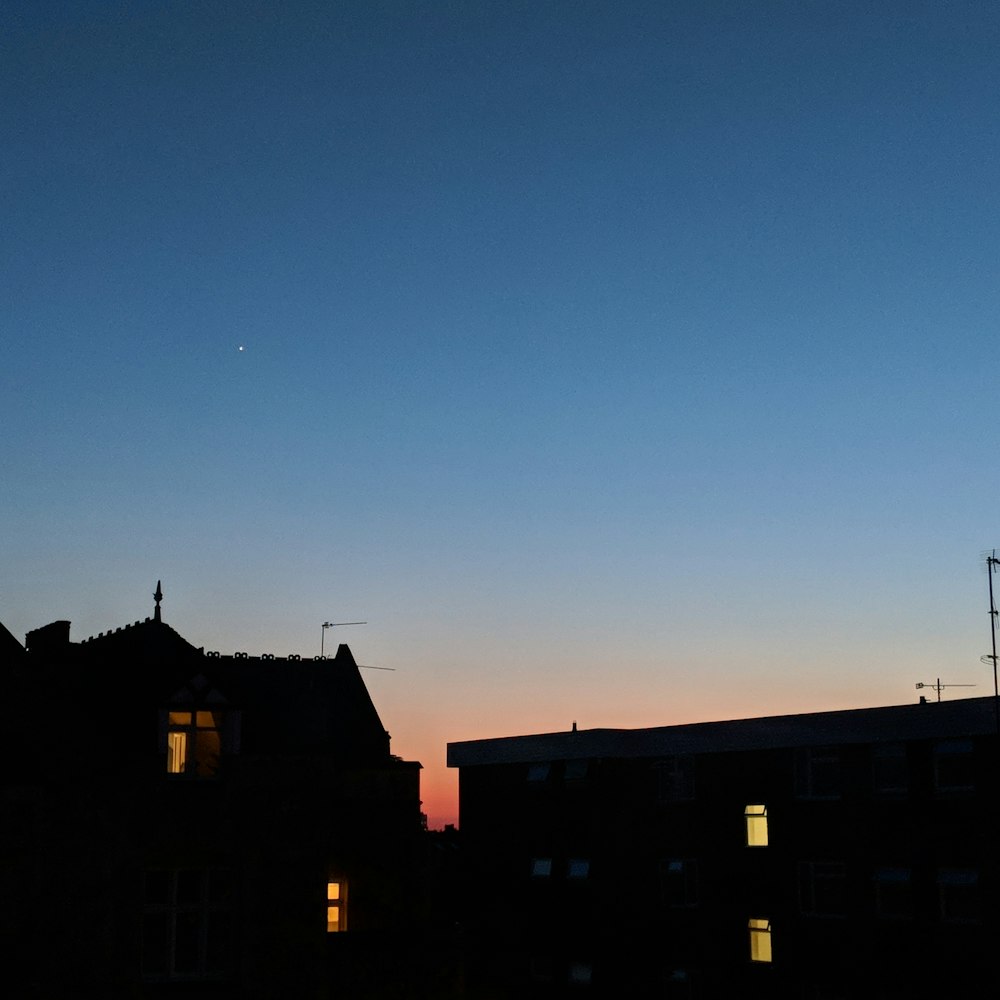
[539, 772]
[894, 893]
[676, 778]
[679, 882]
[953, 766]
[890, 770]
[958, 895]
[186, 925]
[822, 888]
[679, 985]
[817, 773]
[541, 867]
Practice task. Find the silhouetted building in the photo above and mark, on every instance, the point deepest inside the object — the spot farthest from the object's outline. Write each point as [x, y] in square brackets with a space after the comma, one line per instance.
[820, 856]
[182, 823]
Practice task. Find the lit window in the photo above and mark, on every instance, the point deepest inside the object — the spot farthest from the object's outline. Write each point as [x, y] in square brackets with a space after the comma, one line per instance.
[580, 973]
[760, 940]
[679, 882]
[578, 868]
[958, 895]
[893, 893]
[186, 920]
[756, 819]
[541, 867]
[336, 906]
[817, 773]
[822, 888]
[193, 743]
[953, 766]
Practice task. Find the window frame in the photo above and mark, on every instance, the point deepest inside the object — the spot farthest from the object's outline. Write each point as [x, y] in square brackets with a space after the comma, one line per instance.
[761, 944]
[337, 904]
[679, 882]
[541, 867]
[885, 758]
[962, 883]
[901, 877]
[208, 916]
[960, 754]
[813, 875]
[676, 778]
[757, 831]
[818, 773]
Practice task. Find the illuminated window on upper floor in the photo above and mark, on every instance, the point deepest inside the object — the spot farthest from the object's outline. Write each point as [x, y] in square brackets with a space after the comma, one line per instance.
[756, 822]
[581, 973]
[193, 742]
[578, 868]
[336, 905]
[760, 939]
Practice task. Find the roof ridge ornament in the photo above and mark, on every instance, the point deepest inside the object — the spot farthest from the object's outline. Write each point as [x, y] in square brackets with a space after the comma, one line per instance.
[158, 596]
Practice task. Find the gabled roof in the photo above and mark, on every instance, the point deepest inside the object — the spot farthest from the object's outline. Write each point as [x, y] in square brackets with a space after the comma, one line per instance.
[964, 717]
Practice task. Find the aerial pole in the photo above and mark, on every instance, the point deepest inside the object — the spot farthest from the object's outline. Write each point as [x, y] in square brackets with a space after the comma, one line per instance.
[326, 625]
[991, 564]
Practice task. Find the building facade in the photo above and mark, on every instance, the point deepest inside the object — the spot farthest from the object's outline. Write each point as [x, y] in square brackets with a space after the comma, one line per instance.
[182, 823]
[819, 856]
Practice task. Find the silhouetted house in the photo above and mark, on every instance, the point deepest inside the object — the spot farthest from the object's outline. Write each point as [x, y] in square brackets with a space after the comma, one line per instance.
[182, 823]
[829, 855]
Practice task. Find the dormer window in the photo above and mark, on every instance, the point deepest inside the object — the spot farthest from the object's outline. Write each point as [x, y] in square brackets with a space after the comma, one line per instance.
[194, 743]
[198, 728]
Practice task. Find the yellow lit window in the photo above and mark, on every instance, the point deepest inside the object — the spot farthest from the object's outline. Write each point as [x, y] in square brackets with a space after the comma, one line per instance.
[193, 743]
[760, 940]
[336, 906]
[176, 752]
[756, 817]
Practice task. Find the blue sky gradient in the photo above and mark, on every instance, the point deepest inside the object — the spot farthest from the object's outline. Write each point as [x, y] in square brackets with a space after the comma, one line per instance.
[631, 364]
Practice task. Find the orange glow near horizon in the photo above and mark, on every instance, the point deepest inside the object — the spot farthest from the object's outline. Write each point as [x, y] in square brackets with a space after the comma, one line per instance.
[425, 739]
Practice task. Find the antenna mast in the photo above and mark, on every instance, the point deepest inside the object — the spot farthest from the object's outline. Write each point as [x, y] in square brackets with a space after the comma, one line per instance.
[991, 564]
[326, 625]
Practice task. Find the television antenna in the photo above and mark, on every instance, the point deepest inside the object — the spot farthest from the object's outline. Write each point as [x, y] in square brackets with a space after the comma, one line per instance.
[937, 686]
[326, 625]
[992, 561]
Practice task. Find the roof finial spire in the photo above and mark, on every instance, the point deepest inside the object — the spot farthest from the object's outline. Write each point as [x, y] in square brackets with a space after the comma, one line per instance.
[158, 596]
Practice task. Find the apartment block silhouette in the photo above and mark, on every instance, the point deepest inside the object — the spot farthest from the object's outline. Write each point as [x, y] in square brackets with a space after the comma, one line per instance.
[816, 856]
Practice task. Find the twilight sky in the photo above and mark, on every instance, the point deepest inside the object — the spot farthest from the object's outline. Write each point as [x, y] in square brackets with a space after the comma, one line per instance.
[625, 363]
